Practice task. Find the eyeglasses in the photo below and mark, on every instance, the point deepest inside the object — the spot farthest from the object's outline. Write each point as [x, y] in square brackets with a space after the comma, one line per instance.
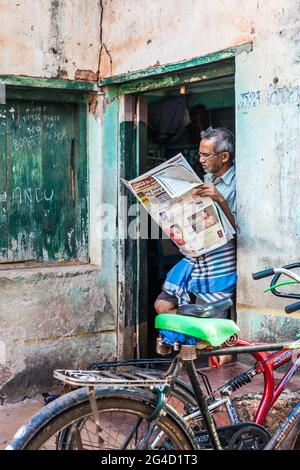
[208, 155]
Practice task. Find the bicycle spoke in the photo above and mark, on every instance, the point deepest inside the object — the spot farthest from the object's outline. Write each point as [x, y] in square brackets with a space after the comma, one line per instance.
[78, 439]
[115, 437]
[124, 423]
[133, 431]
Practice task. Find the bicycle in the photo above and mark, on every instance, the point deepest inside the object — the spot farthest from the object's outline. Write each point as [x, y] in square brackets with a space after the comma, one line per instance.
[148, 422]
[265, 363]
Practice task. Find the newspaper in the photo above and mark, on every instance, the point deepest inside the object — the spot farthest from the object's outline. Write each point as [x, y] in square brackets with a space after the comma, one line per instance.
[195, 224]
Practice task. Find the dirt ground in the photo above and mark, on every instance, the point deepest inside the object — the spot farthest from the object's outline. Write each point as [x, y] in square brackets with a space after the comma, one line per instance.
[14, 415]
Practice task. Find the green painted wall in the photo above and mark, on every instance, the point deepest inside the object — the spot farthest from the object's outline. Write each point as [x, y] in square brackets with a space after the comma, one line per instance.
[108, 194]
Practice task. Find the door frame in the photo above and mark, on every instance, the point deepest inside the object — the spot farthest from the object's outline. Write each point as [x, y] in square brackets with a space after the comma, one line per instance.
[124, 89]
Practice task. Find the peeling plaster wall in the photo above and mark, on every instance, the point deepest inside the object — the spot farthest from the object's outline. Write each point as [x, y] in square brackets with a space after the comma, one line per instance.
[268, 165]
[144, 33]
[141, 34]
[50, 38]
[53, 322]
[64, 316]
[51, 319]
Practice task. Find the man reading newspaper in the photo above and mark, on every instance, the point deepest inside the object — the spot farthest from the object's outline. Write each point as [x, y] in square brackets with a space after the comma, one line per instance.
[211, 276]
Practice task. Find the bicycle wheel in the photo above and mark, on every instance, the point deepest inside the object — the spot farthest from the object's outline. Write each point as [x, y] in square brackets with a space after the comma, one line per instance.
[297, 443]
[292, 439]
[181, 399]
[124, 421]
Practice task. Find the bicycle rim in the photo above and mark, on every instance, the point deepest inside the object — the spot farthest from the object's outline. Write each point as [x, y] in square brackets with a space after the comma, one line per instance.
[124, 424]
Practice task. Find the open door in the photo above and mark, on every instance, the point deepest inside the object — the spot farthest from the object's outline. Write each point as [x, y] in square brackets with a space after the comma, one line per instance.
[132, 269]
[142, 248]
[144, 263]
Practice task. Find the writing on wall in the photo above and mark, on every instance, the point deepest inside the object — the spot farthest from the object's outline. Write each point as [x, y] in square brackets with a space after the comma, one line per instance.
[31, 195]
[273, 96]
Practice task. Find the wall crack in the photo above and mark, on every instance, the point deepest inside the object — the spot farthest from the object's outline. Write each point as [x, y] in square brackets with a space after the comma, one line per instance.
[102, 44]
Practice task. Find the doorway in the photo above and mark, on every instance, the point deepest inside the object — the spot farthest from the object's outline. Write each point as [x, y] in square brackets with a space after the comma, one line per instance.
[174, 118]
[189, 101]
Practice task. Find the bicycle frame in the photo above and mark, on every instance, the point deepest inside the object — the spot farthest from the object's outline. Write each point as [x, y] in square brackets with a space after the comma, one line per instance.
[104, 384]
[271, 392]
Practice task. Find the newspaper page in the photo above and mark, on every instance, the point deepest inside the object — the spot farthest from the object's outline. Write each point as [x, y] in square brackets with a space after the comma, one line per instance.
[195, 224]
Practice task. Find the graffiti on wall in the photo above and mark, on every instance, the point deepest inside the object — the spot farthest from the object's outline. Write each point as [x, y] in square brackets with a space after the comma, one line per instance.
[30, 195]
[272, 96]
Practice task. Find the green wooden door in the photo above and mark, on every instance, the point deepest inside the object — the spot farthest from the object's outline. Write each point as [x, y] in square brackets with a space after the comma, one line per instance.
[133, 275]
[142, 243]
[43, 180]
[3, 188]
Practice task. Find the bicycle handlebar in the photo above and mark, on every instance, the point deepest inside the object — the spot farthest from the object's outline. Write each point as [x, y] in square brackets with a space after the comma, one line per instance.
[292, 308]
[276, 272]
[262, 274]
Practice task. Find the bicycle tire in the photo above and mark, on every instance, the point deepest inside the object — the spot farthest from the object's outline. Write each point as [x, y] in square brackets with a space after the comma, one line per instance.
[297, 442]
[70, 409]
[180, 399]
[292, 439]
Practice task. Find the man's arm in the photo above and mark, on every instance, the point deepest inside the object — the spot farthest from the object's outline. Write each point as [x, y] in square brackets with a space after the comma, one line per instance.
[209, 190]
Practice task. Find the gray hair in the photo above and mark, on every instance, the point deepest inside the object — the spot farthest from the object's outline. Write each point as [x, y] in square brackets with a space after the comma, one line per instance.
[224, 140]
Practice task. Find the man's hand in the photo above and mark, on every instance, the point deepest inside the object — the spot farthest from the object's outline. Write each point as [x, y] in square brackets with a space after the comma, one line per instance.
[209, 190]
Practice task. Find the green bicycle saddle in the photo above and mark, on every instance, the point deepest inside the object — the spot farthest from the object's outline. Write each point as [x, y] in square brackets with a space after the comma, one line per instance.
[215, 331]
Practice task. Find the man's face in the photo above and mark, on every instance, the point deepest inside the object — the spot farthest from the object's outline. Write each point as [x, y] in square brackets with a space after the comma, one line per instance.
[214, 163]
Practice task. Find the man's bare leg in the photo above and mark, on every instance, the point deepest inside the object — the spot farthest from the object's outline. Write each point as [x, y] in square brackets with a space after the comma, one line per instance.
[165, 306]
[225, 359]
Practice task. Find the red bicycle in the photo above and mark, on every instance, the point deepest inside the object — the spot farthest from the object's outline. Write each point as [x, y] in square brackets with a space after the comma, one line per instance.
[266, 361]
[268, 358]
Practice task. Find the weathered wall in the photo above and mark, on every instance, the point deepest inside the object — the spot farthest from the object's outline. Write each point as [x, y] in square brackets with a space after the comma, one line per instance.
[268, 166]
[64, 316]
[56, 317]
[50, 38]
[139, 34]
[50, 321]
[52, 318]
